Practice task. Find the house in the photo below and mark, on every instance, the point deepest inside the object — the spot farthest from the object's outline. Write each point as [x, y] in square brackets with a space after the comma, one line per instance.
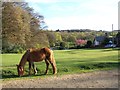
[98, 40]
[105, 41]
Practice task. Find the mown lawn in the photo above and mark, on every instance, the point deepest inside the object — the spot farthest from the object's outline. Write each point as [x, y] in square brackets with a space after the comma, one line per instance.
[68, 62]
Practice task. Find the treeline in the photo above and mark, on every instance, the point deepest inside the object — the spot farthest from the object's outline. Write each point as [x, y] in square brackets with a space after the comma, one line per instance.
[22, 28]
[81, 38]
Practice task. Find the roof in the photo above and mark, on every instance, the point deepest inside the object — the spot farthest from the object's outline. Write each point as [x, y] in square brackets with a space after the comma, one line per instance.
[100, 38]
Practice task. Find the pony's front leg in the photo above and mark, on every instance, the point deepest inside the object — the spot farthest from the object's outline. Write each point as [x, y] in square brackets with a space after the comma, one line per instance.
[34, 67]
[30, 68]
[47, 66]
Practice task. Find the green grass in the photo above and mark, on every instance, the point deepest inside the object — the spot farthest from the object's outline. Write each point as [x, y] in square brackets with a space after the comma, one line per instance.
[68, 62]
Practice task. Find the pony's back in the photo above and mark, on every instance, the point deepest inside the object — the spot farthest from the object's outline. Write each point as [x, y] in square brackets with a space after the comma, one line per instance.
[39, 54]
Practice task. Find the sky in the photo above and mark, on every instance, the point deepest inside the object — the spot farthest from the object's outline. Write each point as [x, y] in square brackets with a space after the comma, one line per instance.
[78, 14]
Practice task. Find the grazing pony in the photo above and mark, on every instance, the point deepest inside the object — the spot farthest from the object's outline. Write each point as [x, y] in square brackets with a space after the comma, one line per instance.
[37, 55]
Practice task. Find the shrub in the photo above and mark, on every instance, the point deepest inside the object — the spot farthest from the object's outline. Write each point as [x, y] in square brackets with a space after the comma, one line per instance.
[17, 49]
[89, 44]
[62, 45]
[13, 49]
[81, 42]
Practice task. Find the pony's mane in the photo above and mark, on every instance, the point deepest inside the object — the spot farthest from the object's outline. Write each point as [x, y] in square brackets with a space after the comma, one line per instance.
[24, 58]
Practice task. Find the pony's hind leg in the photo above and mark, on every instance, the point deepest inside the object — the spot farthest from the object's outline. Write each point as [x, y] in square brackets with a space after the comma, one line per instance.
[53, 63]
[34, 67]
[47, 66]
[54, 68]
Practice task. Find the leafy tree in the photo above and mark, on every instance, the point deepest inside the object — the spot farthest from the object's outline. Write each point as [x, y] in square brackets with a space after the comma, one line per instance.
[39, 40]
[64, 36]
[118, 39]
[106, 41]
[58, 38]
[81, 42]
[51, 38]
[89, 44]
[36, 18]
[62, 45]
[21, 27]
[71, 38]
[14, 27]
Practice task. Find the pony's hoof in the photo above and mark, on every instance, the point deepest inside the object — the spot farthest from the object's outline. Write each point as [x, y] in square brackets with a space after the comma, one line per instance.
[45, 73]
[35, 73]
[55, 73]
[29, 75]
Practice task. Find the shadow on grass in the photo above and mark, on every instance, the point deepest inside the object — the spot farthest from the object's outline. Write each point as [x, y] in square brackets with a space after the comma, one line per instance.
[100, 65]
[112, 49]
[7, 74]
[87, 67]
[10, 74]
[102, 49]
[24, 76]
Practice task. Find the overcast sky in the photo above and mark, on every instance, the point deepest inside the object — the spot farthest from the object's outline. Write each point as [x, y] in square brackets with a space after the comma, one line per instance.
[78, 14]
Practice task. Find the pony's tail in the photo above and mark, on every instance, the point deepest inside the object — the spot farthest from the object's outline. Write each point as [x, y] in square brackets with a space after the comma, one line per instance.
[54, 62]
[50, 57]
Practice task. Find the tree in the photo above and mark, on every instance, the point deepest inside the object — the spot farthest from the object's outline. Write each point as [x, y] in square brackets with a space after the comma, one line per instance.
[14, 26]
[89, 44]
[58, 38]
[81, 42]
[39, 40]
[51, 38]
[36, 18]
[62, 45]
[21, 27]
[118, 39]
[71, 38]
[106, 41]
[64, 36]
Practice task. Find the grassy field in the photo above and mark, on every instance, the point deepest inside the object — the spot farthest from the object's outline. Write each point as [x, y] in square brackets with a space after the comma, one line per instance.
[68, 62]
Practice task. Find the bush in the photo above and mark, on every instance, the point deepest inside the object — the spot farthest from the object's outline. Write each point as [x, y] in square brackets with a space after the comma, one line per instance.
[13, 49]
[106, 41]
[62, 45]
[89, 44]
[17, 49]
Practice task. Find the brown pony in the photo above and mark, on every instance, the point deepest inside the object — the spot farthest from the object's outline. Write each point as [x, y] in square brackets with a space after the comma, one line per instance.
[37, 55]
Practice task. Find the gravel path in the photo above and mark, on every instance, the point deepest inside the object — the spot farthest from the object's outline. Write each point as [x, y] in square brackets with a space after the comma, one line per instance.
[98, 79]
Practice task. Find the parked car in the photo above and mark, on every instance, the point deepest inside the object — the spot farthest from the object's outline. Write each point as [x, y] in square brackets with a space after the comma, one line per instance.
[110, 45]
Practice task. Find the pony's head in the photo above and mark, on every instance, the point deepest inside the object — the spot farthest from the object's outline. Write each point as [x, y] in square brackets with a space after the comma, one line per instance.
[20, 70]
